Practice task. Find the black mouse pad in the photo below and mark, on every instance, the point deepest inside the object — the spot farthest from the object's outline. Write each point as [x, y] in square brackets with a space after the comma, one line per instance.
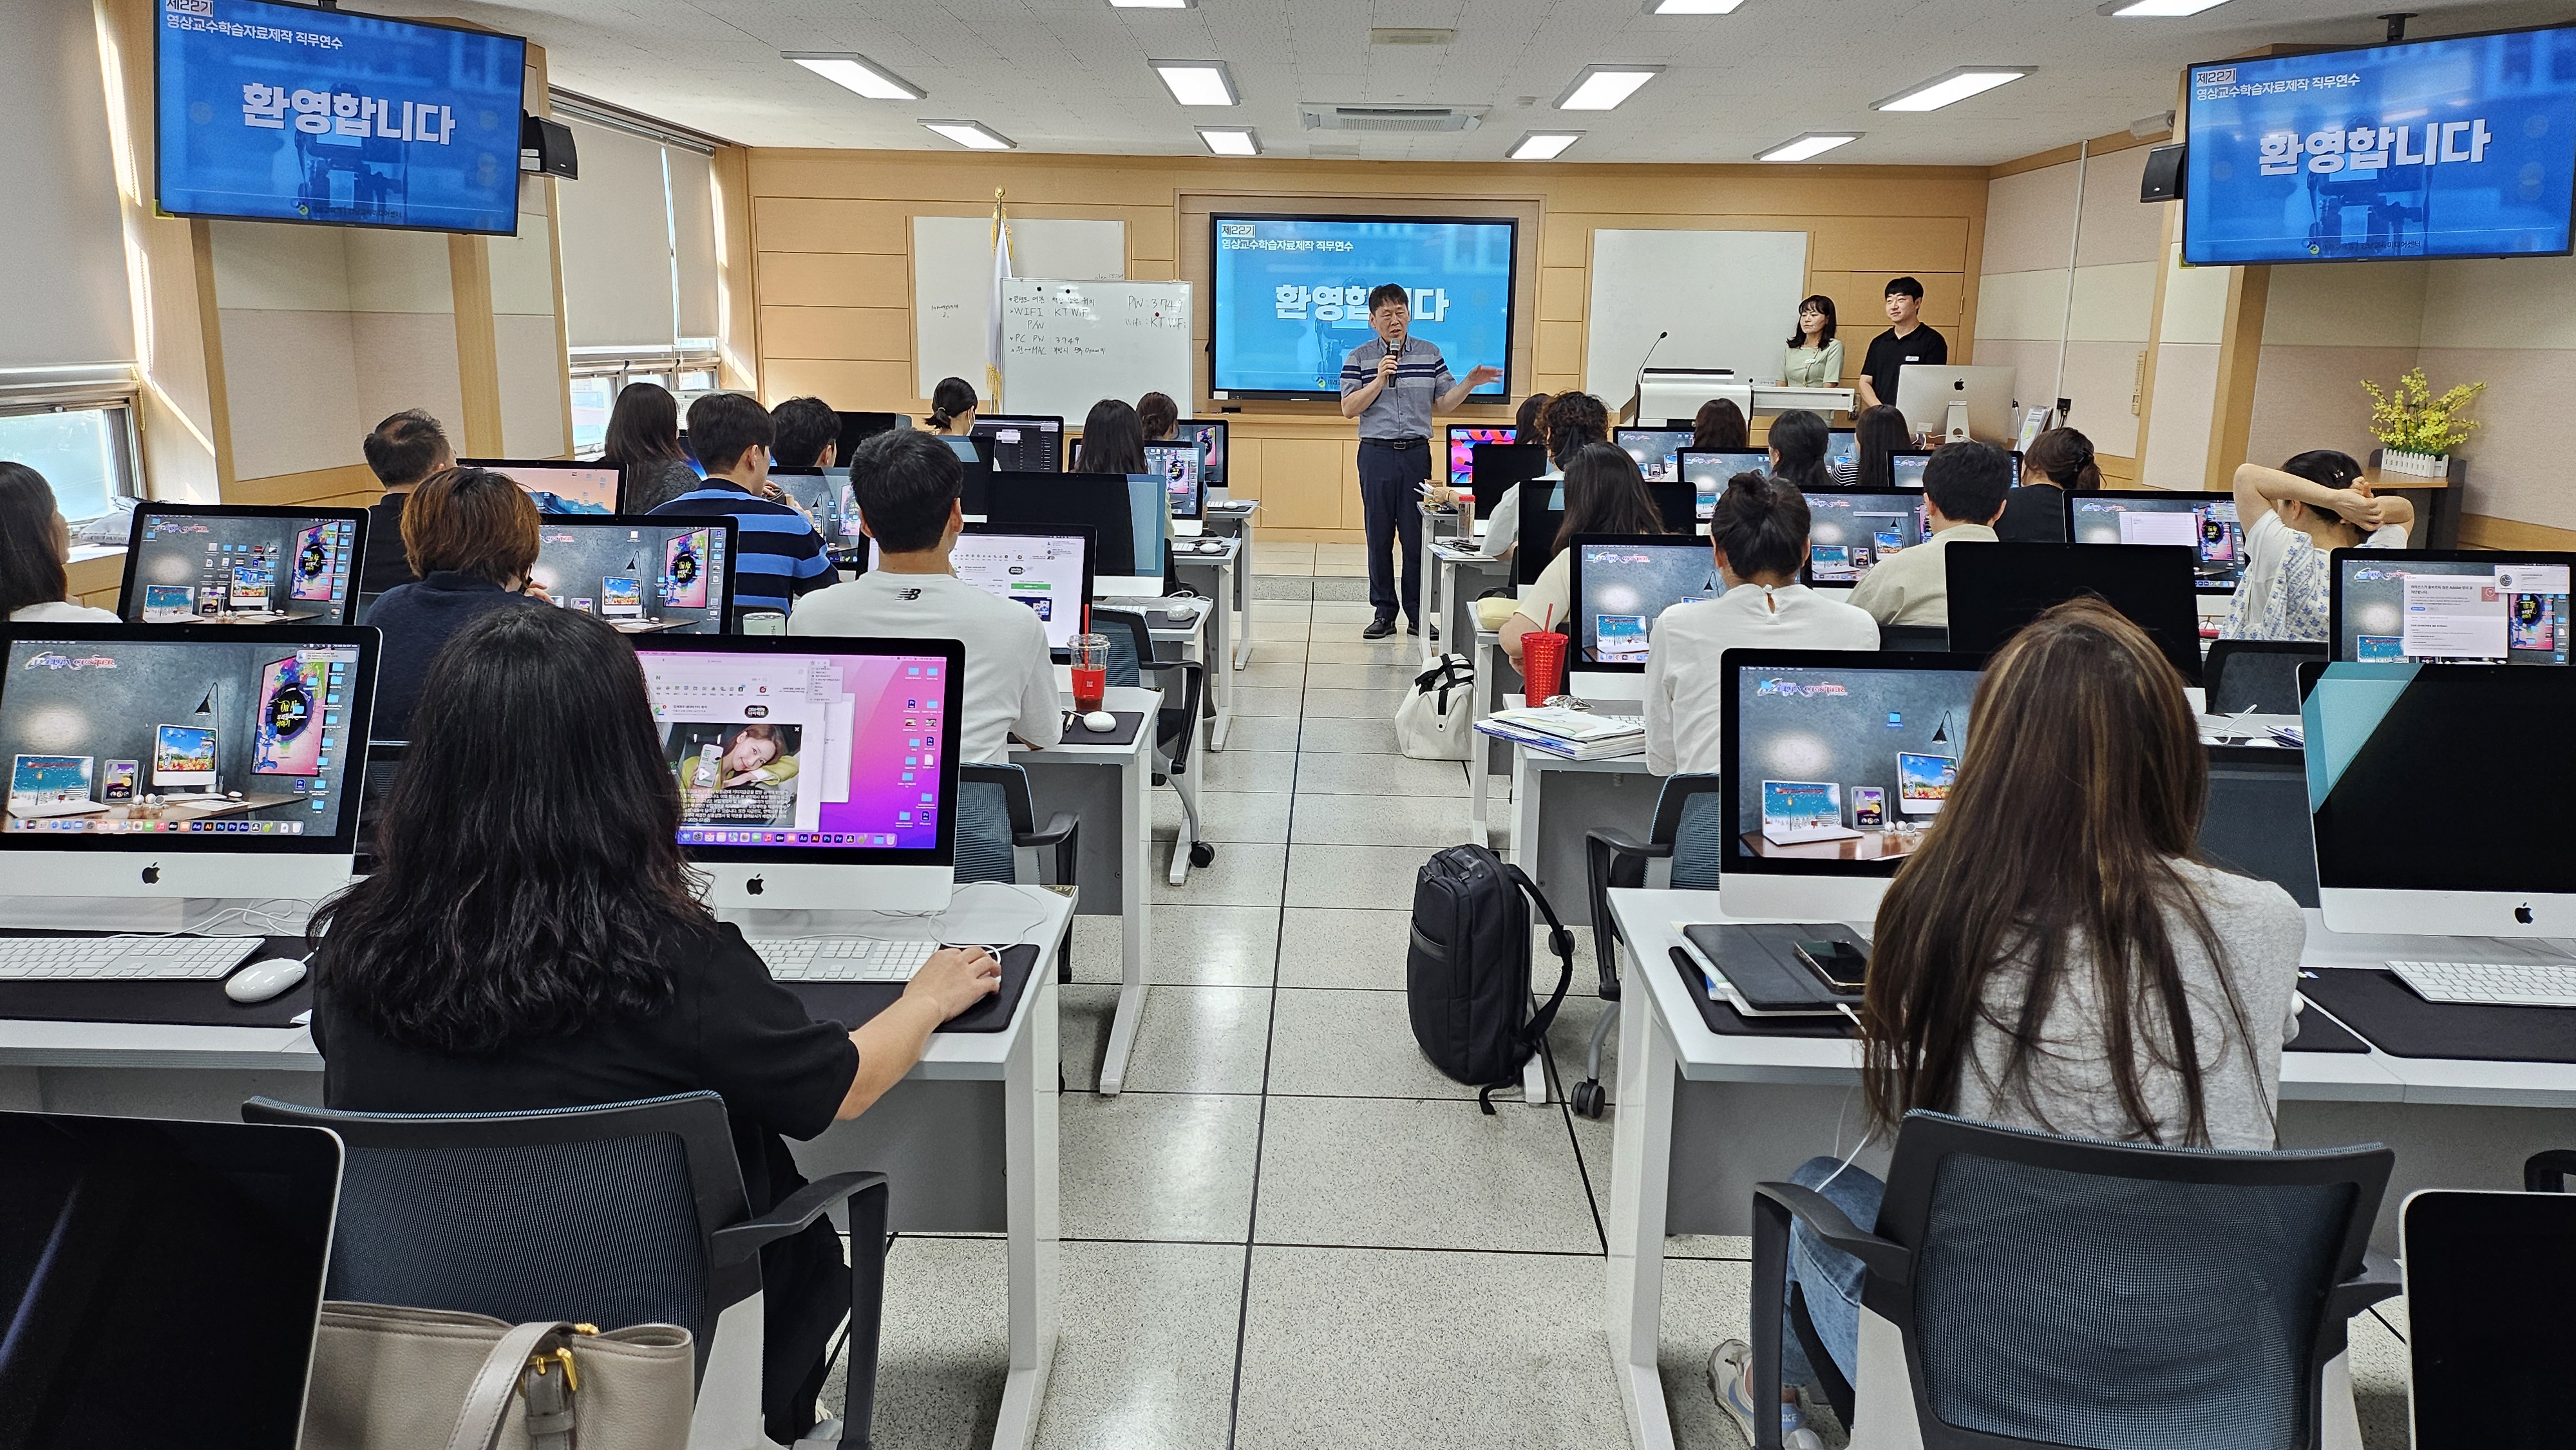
[196, 1003]
[2321, 1033]
[2385, 1010]
[1129, 722]
[852, 1003]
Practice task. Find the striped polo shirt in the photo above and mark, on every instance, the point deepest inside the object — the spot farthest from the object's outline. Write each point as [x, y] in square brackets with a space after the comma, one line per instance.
[1404, 409]
[777, 554]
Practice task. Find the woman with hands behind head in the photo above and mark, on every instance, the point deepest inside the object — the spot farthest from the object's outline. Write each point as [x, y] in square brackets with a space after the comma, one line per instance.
[532, 939]
[2294, 516]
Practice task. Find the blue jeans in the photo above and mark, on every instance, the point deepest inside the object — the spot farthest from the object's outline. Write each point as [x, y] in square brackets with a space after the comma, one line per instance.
[1828, 1277]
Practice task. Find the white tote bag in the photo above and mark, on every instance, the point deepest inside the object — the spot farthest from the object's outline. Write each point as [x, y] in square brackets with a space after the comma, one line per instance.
[1431, 722]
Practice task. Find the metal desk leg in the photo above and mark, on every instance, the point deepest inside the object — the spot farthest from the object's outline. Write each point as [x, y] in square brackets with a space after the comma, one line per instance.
[1244, 593]
[1528, 784]
[1641, 1147]
[1188, 787]
[1030, 1207]
[1422, 564]
[1219, 652]
[1477, 747]
[1136, 875]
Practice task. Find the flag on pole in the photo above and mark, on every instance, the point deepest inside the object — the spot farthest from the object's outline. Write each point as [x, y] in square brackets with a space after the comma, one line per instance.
[993, 308]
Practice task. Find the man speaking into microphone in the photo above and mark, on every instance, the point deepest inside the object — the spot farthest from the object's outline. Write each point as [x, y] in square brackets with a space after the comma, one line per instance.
[1393, 385]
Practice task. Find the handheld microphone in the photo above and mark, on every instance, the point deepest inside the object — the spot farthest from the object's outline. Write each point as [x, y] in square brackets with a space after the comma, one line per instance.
[1638, 388]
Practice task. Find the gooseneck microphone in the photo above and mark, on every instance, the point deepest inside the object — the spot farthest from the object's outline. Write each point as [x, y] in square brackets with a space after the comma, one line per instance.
[1637, 389]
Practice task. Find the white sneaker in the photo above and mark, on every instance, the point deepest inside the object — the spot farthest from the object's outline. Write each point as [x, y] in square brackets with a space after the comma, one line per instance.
[1730, 1368]
[824, 1436]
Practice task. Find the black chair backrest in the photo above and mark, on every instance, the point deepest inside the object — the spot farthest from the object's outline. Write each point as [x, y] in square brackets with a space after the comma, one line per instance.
[2261, 675]
[993, 807]
[1914, 638]
[1690, 817]
[2257, 821]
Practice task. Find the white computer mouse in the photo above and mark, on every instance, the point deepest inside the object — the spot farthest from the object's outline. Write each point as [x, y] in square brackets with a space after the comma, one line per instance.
[261, 981]
[1182, 609]
[1099, 722]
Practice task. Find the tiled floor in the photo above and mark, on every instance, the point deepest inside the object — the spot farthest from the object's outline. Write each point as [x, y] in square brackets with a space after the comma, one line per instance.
[1290, 1230]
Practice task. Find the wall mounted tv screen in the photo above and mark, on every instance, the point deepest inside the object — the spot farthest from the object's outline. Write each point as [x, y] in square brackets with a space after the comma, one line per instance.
[286, 113]
[2460, 147]
[1292, 296]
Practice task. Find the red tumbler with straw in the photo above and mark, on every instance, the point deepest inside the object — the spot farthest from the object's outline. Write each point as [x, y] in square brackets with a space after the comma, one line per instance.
[1542, 664]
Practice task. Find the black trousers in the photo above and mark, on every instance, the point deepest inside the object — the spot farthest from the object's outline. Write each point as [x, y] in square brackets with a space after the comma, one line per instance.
[1391, 482]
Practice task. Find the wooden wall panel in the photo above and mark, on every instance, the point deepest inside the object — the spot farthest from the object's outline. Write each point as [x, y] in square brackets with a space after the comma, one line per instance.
[854, 334]
[829, 279]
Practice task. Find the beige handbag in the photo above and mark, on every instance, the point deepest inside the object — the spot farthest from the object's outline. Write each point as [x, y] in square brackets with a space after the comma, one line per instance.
[386, 1378]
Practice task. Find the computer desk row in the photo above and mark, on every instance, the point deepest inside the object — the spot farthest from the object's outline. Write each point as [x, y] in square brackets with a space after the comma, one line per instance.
[969, 1137]
[1701, 1117]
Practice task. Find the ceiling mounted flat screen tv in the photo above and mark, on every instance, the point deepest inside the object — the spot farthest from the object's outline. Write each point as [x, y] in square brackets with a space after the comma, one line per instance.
[285, 113]
[1292, 296]
[2459, 147]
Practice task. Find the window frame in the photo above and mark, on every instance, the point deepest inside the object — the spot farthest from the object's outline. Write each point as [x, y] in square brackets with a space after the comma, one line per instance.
[41, 392]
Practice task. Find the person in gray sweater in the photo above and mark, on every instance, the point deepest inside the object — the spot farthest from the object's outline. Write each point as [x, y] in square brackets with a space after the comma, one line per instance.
[2053, 958]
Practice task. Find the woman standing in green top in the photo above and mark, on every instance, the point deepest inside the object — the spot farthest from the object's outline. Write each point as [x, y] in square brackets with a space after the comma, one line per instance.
[1814, 358]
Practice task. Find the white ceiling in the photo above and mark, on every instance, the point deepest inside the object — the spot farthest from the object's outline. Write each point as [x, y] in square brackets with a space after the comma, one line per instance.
[1070, 75]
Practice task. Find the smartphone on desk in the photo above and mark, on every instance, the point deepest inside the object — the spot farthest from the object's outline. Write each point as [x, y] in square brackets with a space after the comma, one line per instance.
[1841, 966]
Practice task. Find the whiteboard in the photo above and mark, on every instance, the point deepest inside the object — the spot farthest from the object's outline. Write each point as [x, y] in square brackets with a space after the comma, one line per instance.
[1067, 345]
[952, 281]
[1730, 300]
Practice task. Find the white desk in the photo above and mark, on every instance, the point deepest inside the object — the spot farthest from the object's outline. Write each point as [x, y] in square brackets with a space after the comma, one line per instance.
[1702, 1117]
[1438, 523]
[1214, 576]
[1556, 800]
[1110, 789]
[1492, 693]
[1234, 519]
[1449, 595]
[968, 1138]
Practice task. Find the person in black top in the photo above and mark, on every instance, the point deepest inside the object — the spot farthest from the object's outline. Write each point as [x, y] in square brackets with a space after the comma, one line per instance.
[404, 449]
[532, 939]
[2035, 513]
[473, 535]
[644, 437]
[1906, 340]
[807, 429]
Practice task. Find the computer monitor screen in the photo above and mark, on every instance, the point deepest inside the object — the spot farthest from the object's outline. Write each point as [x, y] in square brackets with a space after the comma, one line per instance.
[824, 495]
[1707, 472]
[1995, 589]
[1184, 476]
[1842, 445]
[643, 575]
[965, 448]
[1494, 469]
[210, 741]
[2387, 776]
[1210, 433]
[560, 486]
[858, 428]
[1850, 532]
[2206, 524]
[2437, 606]
[1905, 470]
[2484, 1369]
[1049, 572]
[1835, 764]
[1462, 440]
[1023, 445]
[1030, 501]
[1657, 450]
[1149, 518]
[238, 564]
[1622, 583]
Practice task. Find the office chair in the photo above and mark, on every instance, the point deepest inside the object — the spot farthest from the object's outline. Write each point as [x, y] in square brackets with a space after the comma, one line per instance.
[1914, 638]
[629, 1213]
[2033, 1291]
[996, 819]
[2548, 1171]
[1131, 657]
[2261, 675]
[1689, 825]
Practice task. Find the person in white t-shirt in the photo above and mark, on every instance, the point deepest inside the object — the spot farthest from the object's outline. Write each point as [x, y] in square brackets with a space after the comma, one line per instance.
[1759, 534]
[907, 486]
[2294, 517]
[35, 554]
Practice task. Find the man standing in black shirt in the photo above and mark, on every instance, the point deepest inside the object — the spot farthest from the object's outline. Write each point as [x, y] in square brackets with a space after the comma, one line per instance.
[1907, 341]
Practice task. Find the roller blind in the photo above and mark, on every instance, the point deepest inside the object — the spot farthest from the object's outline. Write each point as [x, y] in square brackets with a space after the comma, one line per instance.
[66, 244]
[693, 221]
[617, 243]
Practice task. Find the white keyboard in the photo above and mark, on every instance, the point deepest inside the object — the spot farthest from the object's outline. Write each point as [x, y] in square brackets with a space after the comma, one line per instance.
[843, 959]
[2494, 984]
[89, 958]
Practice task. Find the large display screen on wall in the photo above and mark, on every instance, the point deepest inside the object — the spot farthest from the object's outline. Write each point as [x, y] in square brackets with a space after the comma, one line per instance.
[1292, 296]
[2461, 147]
[293, 114]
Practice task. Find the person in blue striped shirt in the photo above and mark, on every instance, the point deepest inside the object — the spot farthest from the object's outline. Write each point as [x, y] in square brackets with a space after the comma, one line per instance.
[777, 554]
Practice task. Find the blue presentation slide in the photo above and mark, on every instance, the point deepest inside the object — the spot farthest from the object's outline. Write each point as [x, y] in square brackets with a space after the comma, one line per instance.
[2442, 148]
[1292, 297]
[288, 113]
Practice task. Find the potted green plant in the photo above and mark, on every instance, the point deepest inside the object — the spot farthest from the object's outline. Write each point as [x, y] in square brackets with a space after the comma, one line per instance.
[2417, 431]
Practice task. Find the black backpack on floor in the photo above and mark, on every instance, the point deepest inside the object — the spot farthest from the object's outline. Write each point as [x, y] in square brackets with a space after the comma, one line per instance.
[1467, 973]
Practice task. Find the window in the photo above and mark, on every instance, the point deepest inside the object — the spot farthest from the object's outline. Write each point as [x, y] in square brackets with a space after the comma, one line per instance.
[598, 379]
[85, 452]
[592, 399]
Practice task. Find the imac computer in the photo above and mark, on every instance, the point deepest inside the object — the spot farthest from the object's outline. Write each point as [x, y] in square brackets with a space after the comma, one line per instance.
[1542, 518]
[858, 428]
[1835, 763]
[2448, 606]
[1708, 471]
[1657, 450]
[1184, 477]
[1022, 444]
[1461, 441]
[2204, 523]
[2387, 777]
[1494, 470]
[1905, 466]
[824, 495]
[1849, 532]
[1925, 393]
[1210, 435]
[563, 486]
[239, 564]
[1046, 567]
[643, 575]
[1621, 584]
[814, 773]
[1842, 445]
[225, 764]
[1034, 503]
[1995, 589]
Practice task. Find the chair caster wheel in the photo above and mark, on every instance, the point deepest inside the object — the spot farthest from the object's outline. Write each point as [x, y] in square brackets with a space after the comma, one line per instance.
[1587, 1098]
[1201, 853]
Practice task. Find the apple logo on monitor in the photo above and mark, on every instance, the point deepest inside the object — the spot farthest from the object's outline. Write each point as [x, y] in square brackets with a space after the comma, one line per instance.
[152, 874]
[754, 886]
[2522, 914]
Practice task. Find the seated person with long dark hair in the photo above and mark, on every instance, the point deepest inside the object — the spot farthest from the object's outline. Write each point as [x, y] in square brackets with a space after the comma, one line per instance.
[1563, 424]
[1604, 494]
[2054, 957]
[1878, 435]
[35, 554]
[2035, 511]
[1718, 427]
[472, 533]
[1113, 439]
[532, 939]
